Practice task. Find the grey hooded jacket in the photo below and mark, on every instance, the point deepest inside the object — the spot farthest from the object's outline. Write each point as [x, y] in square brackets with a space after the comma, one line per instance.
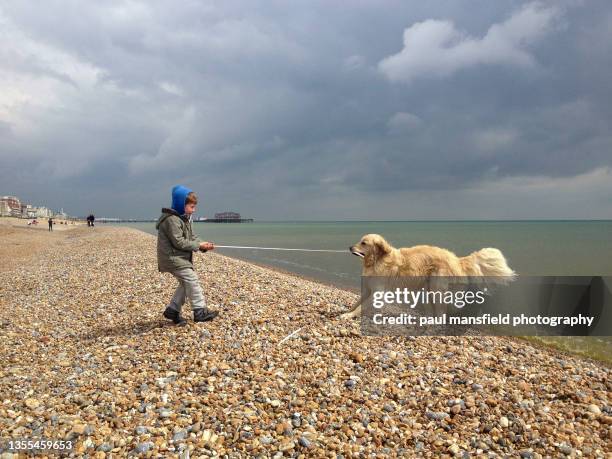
[175, 241]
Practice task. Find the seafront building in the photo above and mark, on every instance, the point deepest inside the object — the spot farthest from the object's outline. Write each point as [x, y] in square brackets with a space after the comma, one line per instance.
[43, 212]
[28, 211]
[11, 206]
[5, 210]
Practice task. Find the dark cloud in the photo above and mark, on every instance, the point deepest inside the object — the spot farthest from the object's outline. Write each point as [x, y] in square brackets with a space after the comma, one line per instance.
[298, 110]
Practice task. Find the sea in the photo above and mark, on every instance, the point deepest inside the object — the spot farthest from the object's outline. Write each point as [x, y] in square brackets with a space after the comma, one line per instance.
[532, 248]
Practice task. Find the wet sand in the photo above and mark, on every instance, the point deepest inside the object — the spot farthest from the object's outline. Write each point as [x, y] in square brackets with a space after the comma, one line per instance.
[42, 223]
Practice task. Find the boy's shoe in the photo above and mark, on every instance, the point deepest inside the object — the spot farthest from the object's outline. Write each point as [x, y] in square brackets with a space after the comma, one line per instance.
[204, 315]
[174, 316]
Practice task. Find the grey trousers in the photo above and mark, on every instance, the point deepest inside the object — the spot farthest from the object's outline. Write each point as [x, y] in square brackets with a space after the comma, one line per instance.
[188, 288]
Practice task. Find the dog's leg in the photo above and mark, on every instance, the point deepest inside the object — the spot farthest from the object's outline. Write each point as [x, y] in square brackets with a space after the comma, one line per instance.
[356, 310]
[437, 282]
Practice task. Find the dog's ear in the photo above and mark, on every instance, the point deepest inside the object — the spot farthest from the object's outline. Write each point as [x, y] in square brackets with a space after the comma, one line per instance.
[382, 246]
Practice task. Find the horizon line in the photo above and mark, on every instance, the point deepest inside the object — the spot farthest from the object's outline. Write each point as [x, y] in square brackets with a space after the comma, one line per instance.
[406, 221]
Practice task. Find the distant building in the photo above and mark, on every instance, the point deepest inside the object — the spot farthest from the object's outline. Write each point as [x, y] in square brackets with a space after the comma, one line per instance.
[13, 204]
[227, 216]
[61, 214]
[5, 210]
[28, 211]
[43, 212]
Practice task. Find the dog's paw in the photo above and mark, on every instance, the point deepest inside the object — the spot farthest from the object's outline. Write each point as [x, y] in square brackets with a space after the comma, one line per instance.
[347, 315]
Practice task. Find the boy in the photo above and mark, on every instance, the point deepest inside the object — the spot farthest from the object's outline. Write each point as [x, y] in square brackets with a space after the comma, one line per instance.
[175, 246]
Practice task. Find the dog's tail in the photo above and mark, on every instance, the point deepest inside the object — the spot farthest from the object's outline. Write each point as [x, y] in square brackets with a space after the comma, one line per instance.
[489, 263]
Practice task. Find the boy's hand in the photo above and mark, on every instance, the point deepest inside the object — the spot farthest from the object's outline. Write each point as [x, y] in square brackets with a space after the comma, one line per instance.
[207, 246]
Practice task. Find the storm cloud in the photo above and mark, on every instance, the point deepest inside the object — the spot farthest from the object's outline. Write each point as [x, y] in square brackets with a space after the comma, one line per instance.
[309, 110]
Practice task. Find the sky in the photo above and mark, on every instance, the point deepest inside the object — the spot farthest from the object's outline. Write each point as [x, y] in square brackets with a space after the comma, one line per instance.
[310, 110]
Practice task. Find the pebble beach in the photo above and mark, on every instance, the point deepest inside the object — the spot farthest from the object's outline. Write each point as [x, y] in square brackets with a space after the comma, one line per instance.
[88, 357]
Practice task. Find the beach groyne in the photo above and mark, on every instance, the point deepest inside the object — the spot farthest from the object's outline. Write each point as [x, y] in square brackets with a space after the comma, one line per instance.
[88, 357]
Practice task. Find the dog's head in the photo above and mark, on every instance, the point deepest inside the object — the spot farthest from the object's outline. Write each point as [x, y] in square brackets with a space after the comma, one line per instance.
[371, 247]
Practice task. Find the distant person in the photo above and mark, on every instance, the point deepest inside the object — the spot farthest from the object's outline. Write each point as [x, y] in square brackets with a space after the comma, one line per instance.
[50, 224]
[175, 246]
[93, 219]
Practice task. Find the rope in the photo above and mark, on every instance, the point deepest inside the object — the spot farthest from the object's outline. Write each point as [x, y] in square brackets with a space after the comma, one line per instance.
[278, 248]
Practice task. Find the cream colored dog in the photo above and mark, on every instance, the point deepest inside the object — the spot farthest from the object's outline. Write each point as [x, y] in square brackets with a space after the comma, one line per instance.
[423, 261]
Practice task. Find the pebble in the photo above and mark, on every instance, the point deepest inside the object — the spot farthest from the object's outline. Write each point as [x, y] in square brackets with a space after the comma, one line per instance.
[209, 437]
[105, 447]
[79, 428]
[286, 445]
[143, 407]
[304, 442]
[436, 415]
[142, 448]
[594, 409]
[195, 428]
[524, 386]
[454, 449]
[503, 422]
[388, 407]
[32, 403]
[88, 443]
